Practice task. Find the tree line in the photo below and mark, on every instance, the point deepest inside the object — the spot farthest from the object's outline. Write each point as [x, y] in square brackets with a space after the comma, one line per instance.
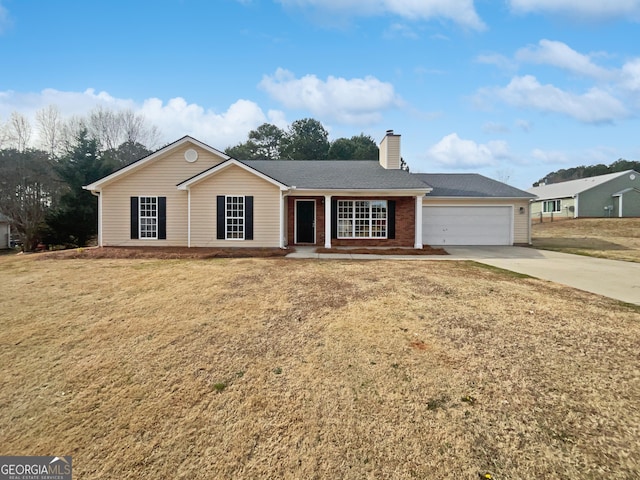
[586, 171]
[305, 139]
[41, 187]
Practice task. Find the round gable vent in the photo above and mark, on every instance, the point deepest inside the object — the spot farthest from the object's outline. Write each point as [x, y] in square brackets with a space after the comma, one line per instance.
[191, 155]
[632, 176]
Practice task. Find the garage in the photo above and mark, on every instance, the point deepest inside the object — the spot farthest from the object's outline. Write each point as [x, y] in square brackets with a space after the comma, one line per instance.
[467, 225]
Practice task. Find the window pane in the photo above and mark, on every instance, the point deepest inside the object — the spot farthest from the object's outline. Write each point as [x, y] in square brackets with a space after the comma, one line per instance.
[234, 218]
[148, 217]
[362, 219]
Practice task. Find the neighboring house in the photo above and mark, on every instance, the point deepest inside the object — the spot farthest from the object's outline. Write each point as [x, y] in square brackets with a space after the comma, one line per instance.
[611, 195]
[190, 194]
[5, 232]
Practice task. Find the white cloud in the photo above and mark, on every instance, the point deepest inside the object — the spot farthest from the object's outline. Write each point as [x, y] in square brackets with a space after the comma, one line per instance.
[561, 55]
[349, 101]
[457, 153]
[174, 118]
[594, 106]
[459, 11]
[591, 9]
[631, 75]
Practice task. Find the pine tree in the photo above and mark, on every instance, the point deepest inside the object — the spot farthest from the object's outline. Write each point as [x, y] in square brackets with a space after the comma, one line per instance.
[75, 220]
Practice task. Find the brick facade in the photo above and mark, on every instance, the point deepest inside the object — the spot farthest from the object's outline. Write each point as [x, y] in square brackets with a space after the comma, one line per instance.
[405, 223]
[291, 218]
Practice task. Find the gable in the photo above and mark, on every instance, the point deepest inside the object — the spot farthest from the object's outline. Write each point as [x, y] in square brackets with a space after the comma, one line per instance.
[233, 180]
[173, 163]
[222, 167]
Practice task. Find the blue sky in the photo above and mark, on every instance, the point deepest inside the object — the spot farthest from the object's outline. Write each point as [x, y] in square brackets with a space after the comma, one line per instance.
[512, 89]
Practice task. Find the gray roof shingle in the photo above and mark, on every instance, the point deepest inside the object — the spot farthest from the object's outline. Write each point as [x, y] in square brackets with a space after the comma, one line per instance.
[471, 185]
[336, 174]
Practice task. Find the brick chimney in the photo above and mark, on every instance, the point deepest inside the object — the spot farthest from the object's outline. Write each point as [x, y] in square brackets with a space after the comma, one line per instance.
[390, 151]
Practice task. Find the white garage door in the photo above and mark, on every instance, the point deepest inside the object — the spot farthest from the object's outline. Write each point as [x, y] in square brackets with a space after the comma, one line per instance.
[467, 225]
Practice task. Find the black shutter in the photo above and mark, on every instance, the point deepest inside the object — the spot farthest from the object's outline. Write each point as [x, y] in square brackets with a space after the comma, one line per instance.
[334, 219]
[134, 218]
[162, 218]
[220, 227]
[248, 218]
[391, 219]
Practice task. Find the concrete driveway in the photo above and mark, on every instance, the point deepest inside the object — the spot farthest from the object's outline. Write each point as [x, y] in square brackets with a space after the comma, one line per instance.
[610, 278]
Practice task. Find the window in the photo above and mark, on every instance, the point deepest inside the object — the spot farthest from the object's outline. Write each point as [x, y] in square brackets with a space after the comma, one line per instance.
[234, 218]
[148, 217]
[362, 219]
[551, 206]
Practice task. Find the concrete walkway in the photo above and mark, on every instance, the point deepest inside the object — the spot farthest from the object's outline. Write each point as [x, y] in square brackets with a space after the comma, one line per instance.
[610, 278]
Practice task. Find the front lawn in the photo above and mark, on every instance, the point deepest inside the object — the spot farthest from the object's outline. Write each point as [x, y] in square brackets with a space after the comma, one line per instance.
[279, 368]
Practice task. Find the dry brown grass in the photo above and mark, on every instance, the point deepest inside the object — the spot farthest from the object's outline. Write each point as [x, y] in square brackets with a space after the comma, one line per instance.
[167, 253]
[614, 238]
[274, 368]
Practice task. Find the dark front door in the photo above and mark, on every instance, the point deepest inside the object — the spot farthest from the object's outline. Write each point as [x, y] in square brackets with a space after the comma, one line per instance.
[305, 221]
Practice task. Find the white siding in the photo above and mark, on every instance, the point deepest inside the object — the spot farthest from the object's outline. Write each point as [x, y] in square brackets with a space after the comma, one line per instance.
[158, 178]
[235, 181]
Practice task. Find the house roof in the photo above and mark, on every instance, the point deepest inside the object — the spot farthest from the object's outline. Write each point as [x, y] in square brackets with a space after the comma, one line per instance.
[574, 187]
[472, 185]
[337, 175]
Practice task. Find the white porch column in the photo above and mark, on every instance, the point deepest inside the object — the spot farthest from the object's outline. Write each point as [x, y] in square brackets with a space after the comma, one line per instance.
[283, 220]
[418, 227]
[327, 221]
[99, 220]
[189, 218]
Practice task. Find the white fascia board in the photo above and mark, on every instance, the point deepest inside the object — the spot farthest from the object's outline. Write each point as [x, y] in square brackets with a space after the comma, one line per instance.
[97, 185]
[626, 190]
[224, 165]
[544, 197]
[513, 199]
[358, 192]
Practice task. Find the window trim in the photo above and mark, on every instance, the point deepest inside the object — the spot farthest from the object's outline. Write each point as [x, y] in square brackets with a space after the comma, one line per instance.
[243, 218]
[156, 217]
[370, 218]
[555, 202]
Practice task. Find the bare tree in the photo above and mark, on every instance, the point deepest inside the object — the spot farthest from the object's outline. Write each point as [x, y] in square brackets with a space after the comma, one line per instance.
[106, 127]
[137, 130]
[28, 188]
[70, 130]
[19, 131]
[3, 134]
[50, 129]
[504, 174]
